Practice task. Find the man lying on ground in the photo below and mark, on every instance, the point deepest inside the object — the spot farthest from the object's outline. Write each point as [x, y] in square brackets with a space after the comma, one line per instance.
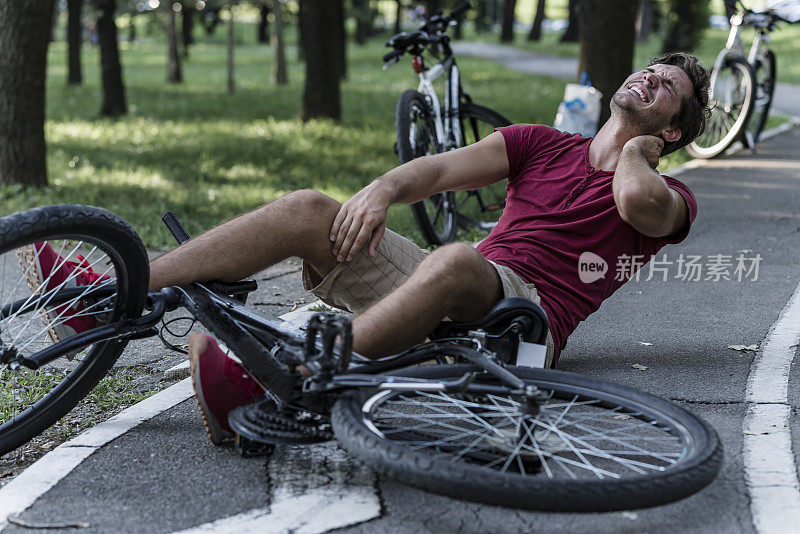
[567, 195]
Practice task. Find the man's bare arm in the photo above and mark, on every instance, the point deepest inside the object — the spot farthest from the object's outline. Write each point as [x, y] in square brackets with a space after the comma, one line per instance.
[642, 196]
[362, 219]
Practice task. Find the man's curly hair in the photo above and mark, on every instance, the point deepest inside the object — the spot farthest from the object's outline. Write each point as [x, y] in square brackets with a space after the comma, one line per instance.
[691, 118]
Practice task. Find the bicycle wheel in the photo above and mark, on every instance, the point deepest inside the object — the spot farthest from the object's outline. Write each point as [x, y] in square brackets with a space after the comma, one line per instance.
[593, 446]
[479, 209]
[45, 298]
[731, 99]
[416, 137]
[765, 87]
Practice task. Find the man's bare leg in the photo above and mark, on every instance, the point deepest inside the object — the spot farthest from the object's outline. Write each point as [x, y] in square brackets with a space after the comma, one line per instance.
[454, 281]
[295, 225]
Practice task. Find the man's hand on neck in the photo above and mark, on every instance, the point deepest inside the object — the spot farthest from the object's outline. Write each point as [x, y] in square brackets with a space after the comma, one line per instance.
[642, 196]
[607, 145]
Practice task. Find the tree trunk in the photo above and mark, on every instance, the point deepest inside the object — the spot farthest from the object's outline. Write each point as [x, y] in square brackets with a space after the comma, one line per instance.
[644, 21]
[174, 74]
[132, 28]
[321, 97]
[24, 30]
[113, 88]
[231, 86]
[536, 30]
[74, 41]
[398, 15]
[262, 33]
[279, 71]
[53, 23]
[209, 18]
[730, 8]
[572, 32]
[606, 45]
[432, 7]
[187, 26]
[341, 38]
[482, 16]
[361, 12]
[688, 19]
[458, 30]
[507, 33]
[301, 39]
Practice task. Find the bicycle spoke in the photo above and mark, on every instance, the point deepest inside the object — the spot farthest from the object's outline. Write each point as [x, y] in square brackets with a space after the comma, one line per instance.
[567, 435]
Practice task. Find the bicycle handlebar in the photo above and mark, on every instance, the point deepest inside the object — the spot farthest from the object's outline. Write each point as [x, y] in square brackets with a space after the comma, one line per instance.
[432, 32]
[392, 56]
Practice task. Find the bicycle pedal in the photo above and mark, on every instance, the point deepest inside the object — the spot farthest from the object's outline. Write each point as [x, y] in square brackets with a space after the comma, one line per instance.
[248, 448]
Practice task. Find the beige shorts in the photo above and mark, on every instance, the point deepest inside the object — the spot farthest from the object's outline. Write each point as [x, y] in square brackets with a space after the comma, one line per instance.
[358, 284]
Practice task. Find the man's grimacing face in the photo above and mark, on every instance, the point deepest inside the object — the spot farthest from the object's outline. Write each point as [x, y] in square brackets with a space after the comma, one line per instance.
[649, 98]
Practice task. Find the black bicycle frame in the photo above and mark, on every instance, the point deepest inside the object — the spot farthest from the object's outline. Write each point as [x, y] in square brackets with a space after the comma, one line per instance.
[253, 339]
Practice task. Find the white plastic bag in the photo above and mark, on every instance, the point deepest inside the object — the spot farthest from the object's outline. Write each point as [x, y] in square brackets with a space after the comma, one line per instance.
[579, 111]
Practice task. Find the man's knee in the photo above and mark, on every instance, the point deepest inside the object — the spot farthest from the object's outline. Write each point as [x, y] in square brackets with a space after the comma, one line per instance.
[458, 264]
[468, 283]
[310, 201]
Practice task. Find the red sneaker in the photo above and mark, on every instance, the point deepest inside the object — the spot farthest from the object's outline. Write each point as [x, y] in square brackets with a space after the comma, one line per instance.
[46, 270]
[220, 385]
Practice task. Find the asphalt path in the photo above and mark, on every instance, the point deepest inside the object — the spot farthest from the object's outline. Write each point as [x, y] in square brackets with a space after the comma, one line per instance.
[164, 476]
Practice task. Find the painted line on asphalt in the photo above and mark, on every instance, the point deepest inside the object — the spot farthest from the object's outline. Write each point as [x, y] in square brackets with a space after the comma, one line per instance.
[792, 123]
[769, 466]
[315, 489]
[22, 492]
[47, 471]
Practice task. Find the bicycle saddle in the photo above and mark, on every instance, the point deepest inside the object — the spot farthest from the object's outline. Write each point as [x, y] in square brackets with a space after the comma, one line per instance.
[533, 321]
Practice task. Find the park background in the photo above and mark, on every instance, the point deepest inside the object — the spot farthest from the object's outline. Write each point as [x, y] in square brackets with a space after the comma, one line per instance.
[225, 136]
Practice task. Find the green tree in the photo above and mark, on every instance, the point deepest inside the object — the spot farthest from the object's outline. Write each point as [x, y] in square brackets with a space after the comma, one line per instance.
[321, 93]
[187, 25]
[536, 28]
[687, 19]
[262, 30]
[280, 72]
[507, 31]
[74, 41]
[24, 36]
[607, 38]
[572, 33]
[114, 102]
[174, 74]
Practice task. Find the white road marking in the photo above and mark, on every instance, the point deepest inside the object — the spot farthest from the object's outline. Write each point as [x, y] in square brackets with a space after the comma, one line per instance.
[333, 505]
[20, 493]
[316, 488]
[770, 470]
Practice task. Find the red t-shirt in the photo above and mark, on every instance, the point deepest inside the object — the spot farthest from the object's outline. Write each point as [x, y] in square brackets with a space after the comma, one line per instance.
[559, 208]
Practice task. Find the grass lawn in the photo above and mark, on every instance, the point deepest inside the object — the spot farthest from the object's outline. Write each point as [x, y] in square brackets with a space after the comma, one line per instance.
[208, 156]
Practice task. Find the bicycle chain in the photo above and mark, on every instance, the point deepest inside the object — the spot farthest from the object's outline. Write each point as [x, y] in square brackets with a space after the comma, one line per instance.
[263, 423]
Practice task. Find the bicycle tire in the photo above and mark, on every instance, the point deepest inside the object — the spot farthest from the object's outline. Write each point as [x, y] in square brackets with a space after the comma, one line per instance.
[765, 76]
[734, 88]
[363, 424]
[113, 248]
[479, 209]
[416, 137]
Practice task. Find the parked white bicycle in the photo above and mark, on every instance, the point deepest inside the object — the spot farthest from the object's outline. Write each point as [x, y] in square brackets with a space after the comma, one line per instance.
[743, 82]
[426, 127]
